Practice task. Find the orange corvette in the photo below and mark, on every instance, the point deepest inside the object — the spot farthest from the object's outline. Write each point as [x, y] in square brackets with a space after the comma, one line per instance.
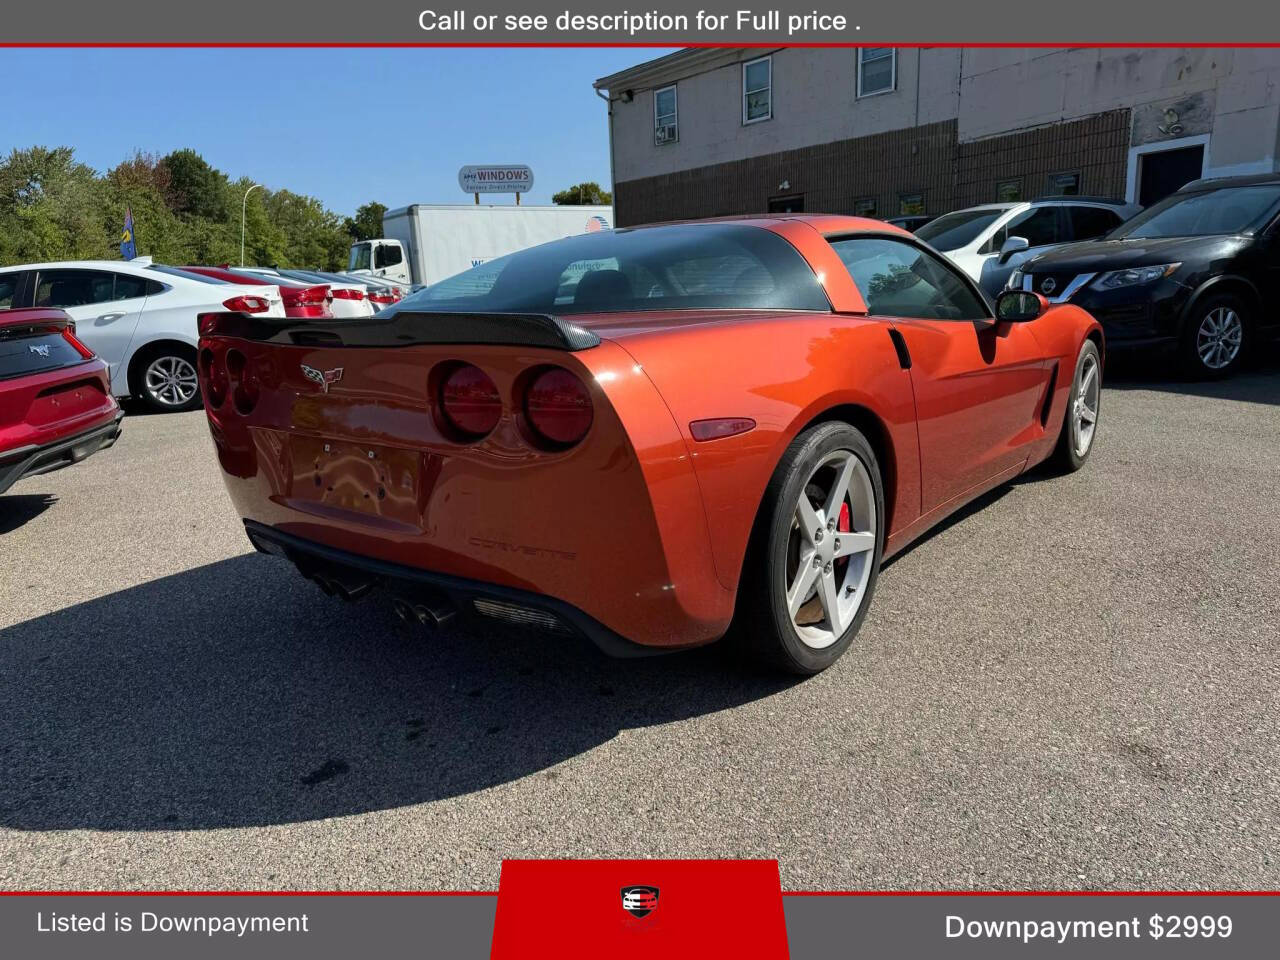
[653, 436]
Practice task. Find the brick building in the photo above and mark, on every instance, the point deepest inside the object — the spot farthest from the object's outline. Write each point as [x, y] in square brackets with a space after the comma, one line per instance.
[884, 132]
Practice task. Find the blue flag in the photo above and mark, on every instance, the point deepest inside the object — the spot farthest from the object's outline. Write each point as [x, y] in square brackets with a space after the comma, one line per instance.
[128, 249]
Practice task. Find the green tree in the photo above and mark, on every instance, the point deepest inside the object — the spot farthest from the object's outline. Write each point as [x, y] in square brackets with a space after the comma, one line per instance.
[185, 212]
[197, 188]
[50, 207]
[582, 193]
[367, 223]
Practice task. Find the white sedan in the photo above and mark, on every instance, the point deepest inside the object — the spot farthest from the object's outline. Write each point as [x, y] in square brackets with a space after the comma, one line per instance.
[350, 298]
[139, 317]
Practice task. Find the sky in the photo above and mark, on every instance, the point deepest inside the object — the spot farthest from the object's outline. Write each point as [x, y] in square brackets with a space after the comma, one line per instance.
[346, 126]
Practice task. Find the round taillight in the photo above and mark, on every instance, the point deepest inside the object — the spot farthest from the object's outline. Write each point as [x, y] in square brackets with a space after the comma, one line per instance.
[470, 401]
[558, 406]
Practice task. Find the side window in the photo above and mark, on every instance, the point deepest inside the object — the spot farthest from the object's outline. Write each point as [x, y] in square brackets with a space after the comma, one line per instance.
[1040, 225]
[388, 256]
[129, 287]
[897, 279]
[1089, 223]
[73, 288]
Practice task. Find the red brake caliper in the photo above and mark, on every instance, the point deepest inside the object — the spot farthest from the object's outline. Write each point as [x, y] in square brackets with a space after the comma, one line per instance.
[843, 525]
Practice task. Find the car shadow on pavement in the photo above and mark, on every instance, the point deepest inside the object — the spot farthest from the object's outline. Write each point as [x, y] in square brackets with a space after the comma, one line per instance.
[19, 508]
[1257, 382]
[236, 694]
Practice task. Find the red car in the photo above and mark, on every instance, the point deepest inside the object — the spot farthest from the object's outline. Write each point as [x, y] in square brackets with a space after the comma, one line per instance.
[302, 301]
[649, 436]
[56, 406]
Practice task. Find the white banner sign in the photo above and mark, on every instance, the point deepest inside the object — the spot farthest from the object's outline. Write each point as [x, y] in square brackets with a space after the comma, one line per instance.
[496, 178]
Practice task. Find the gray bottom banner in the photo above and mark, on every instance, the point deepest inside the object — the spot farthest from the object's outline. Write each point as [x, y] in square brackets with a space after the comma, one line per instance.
[460, 927]
[1031, 926]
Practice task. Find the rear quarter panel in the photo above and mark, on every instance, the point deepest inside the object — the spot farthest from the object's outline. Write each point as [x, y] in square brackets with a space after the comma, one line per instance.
[783, 372]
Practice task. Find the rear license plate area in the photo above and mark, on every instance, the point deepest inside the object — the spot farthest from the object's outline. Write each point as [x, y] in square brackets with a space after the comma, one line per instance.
[65, 403]
[367, 480]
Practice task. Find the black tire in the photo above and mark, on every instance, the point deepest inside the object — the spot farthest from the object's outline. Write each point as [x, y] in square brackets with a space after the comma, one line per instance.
[763, 625]
[1066, 456]
[1193, 363]
[182, 357]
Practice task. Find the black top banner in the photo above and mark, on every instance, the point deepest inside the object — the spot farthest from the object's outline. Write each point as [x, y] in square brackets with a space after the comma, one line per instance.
[393, 22]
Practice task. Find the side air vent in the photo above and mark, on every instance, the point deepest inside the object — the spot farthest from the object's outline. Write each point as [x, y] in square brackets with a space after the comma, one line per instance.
[1048, 395]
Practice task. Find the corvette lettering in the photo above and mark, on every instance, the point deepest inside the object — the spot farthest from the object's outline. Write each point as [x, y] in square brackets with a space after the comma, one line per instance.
[528, 551]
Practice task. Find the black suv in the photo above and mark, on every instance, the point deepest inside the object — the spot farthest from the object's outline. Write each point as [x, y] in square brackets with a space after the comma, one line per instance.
[1198, 272]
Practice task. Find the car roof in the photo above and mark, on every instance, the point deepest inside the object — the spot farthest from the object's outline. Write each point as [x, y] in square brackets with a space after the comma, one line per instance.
[79, 265]
[822, 222]
[1214, 183]
[985, 206]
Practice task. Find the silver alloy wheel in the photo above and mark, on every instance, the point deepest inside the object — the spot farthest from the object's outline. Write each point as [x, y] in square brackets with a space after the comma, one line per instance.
[170, 381]
[1084, 406]
[828, 569]
[1219, 337]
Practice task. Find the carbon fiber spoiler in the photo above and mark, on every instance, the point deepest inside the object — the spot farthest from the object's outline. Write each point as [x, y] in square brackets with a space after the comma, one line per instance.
[405, 328]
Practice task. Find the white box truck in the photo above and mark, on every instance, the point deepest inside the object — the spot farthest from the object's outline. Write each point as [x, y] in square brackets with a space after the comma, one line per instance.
[427, 242]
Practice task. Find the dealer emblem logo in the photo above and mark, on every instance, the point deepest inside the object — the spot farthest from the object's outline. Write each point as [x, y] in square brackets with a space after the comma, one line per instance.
[639, 901]
[1048, 285]
[325, 378]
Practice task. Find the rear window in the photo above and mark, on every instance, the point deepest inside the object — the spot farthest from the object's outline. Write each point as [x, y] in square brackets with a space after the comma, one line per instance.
[678, 267]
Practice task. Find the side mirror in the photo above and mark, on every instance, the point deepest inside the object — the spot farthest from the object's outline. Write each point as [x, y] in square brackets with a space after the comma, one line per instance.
[1011, 246]
[1019, 306]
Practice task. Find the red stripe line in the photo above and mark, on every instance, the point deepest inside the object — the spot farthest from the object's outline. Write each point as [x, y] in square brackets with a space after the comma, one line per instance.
[330, 44]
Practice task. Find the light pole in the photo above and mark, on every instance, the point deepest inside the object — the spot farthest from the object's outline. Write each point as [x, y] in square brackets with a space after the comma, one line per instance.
[243, 204]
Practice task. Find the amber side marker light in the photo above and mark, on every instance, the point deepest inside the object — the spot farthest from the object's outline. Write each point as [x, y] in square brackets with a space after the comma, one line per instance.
[720, 428]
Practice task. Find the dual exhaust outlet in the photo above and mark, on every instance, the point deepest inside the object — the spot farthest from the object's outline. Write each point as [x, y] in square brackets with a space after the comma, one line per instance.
[433, 613]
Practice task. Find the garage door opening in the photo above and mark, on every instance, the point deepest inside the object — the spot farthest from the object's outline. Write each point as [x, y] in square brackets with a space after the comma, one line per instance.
[1161, 173]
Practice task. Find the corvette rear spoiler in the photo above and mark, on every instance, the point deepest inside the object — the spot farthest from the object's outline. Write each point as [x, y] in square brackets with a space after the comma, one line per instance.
[404, 328]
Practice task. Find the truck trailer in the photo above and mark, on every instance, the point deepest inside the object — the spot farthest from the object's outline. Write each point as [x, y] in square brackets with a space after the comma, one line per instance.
[426, 242]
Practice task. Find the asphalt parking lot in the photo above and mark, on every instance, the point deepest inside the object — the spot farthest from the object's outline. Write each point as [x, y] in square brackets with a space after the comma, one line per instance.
[1075, 684]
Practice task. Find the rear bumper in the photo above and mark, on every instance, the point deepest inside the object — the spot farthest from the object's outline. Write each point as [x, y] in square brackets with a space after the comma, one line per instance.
[351, 576]
[33, 460]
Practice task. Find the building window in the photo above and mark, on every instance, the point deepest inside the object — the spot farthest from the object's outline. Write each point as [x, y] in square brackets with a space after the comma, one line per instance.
[790, 204]
[865, 207]
[757, 90]
[1064, 184]
[877, 70]
[665, 128]
[910, 204]
[1009, 191]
